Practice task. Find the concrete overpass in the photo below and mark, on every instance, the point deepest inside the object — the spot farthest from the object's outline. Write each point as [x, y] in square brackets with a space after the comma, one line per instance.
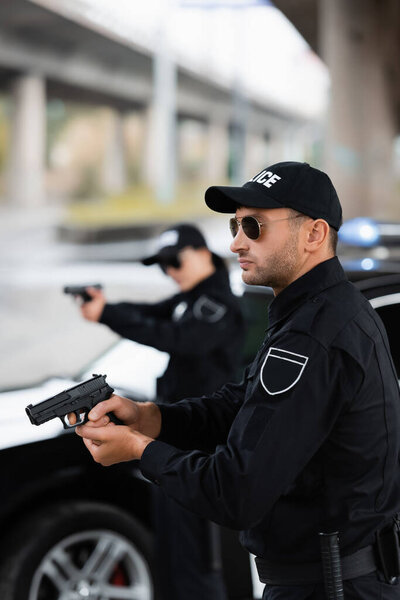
[359, 40]
[44, 54]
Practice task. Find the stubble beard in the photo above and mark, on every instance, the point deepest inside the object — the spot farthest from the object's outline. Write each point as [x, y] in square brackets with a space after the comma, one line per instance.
[278, 269]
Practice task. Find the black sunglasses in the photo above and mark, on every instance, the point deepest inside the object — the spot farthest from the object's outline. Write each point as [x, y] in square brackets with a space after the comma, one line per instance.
[171, 261]
[251, 226]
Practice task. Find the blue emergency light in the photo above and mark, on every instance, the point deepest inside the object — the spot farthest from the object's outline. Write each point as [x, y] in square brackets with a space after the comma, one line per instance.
[360, 231]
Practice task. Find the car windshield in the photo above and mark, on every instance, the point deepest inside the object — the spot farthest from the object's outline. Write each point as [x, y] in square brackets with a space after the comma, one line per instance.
[130, 366]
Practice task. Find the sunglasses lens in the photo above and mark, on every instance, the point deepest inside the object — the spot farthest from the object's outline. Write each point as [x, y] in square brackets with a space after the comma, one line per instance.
[251, 227]
[233, 226]
[173, 262]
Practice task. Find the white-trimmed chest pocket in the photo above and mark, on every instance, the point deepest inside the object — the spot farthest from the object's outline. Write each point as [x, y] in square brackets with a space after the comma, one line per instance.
[207, 309]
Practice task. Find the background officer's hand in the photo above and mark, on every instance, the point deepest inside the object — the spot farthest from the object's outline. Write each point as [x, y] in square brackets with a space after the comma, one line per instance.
[92, 310]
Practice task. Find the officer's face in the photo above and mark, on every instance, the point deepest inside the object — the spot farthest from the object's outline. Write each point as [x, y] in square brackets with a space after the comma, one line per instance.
[274, 259]
[193, 267]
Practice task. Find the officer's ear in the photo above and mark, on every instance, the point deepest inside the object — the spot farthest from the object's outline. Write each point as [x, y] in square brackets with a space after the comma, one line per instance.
[317, 234]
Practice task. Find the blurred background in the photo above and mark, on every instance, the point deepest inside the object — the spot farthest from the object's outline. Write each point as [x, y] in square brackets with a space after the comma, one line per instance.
[116, 116]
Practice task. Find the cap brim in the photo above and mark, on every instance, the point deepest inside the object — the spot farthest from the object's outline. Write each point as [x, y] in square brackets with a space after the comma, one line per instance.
[163, 255]
[226, 199]
[150, 260]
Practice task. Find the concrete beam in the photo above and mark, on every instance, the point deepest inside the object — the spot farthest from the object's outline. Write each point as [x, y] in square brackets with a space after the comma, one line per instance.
[304, 16]
[75, 69]
[125, 83]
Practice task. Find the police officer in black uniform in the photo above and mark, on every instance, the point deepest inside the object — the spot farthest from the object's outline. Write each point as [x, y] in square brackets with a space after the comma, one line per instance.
[309, 441]
[195, 327]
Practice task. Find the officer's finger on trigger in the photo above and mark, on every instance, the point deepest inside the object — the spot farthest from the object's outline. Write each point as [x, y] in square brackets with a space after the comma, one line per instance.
[71, 418]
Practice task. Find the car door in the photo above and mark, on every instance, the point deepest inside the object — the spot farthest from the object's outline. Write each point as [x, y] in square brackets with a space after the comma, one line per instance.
[384, 295]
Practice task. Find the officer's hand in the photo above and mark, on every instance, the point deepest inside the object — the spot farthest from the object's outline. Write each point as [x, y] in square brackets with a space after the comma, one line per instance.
[139, 416]
[111, 444]
[102, 422]
[93, 309]
[124, 409]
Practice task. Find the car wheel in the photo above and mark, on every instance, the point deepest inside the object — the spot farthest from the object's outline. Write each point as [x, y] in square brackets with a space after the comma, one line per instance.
[77, 550]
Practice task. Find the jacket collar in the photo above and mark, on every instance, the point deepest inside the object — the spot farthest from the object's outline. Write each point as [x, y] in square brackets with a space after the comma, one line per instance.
[321, 277]
[217, 280]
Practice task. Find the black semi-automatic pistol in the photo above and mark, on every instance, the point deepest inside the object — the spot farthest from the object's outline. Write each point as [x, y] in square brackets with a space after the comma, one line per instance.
[80, 290]
[79, 400]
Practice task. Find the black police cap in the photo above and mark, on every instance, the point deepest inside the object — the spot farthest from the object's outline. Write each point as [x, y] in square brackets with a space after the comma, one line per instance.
[285, 184]
[174, 239]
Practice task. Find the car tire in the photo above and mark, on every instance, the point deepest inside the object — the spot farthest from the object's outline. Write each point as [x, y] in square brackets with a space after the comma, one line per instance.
[76, 549]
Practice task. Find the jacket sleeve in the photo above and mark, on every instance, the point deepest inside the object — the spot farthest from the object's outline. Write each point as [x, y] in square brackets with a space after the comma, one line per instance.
[271, 440]
[194, 336]
[204, 422]
[119, 312]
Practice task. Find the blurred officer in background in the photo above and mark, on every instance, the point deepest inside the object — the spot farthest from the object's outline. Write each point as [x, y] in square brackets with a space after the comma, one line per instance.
[309, 441]
[202, 329]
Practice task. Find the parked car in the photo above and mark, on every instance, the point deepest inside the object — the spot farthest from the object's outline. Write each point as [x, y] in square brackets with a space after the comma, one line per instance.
[73, 529]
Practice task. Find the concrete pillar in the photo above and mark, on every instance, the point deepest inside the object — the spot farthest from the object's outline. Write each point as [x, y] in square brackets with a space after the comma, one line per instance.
[278, 148]
[360, 128]
[28, 139]
[257, 154]
[160, 154]
[161, 144]
[216, 168]
[238, 137]
[114, 167]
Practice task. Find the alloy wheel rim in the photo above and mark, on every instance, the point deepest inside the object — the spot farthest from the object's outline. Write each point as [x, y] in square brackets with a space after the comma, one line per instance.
[95, 565]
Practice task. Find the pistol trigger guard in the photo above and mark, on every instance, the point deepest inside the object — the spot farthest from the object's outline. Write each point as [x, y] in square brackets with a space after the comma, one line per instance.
[81, 419]
[67, 424]
[64, 422]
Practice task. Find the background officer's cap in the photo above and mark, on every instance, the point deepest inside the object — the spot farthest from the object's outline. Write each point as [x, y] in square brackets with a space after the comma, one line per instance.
[172, 240]
[286, 184]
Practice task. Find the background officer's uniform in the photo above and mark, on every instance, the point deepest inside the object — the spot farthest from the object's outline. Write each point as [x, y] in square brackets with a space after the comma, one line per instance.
[202, 330]
[308, 442]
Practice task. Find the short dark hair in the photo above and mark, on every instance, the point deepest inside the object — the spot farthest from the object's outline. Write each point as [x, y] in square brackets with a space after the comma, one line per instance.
[333, 239]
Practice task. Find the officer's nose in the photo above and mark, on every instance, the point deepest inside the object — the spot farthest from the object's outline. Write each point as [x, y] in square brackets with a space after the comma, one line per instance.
[239, 242]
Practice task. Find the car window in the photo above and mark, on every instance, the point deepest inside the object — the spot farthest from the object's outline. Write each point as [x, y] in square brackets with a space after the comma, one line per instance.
[384, 296]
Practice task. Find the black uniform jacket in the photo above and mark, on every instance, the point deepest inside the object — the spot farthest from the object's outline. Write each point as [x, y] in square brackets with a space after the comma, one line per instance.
[202, 330]
[308, 442]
